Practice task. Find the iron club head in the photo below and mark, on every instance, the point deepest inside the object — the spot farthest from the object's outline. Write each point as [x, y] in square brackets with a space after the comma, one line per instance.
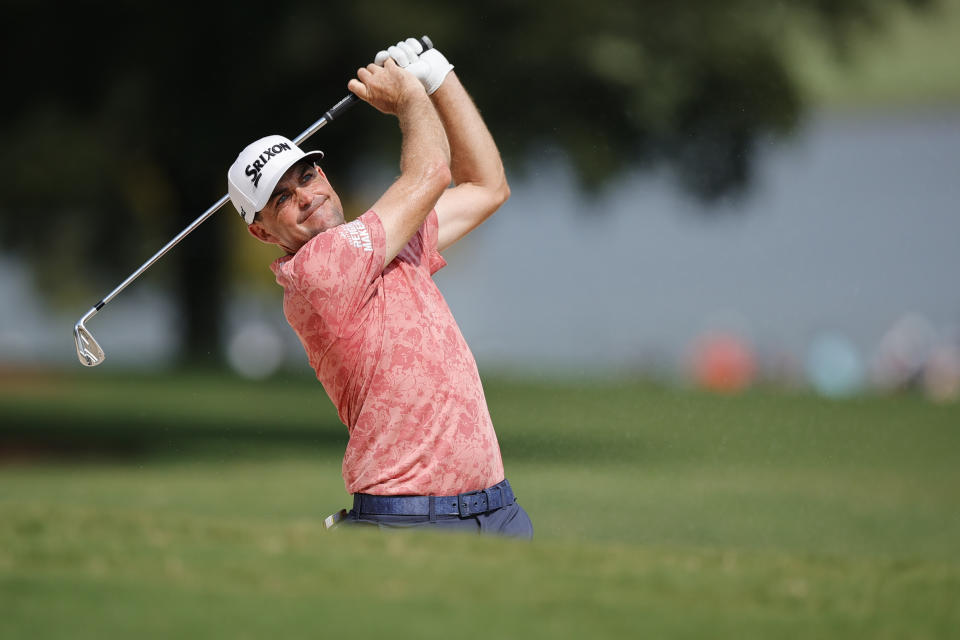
[88, 350]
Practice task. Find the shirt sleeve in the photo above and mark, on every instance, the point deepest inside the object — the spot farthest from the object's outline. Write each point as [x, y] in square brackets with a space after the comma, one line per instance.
[338, 271]
[430, 232]
[421, 250]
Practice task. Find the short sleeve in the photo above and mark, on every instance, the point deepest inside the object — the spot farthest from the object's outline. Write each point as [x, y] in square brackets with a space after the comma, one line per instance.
[431, 231]
[337, 271]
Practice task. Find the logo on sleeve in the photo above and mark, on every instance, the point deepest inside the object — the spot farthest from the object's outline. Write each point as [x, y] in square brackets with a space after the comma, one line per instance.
[357, 235]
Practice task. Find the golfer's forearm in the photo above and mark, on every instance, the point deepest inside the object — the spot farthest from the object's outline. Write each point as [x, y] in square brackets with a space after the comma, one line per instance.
[424, 162]
[424, 143]
[474, 157]
[425, 175]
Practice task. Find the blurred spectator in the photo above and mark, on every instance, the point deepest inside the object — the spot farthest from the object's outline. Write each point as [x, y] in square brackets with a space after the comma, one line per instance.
[900, 359]
[941, 375]
[723, 362]
[256, 350]
[833, 365]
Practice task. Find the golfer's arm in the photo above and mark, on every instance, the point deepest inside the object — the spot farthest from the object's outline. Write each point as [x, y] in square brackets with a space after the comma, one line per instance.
[478, 175]
[424, 175]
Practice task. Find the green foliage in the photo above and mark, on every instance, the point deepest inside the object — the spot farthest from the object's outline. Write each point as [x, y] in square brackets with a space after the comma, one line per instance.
[907, 62]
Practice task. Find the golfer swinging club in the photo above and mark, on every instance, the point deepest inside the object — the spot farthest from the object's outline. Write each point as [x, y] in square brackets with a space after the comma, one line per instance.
[376, 329]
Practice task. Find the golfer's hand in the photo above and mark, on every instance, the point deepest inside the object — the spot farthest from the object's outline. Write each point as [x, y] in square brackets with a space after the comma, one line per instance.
[387, 87]
[430, 67]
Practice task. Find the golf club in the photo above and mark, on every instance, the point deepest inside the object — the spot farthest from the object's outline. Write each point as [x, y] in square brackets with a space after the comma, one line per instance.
[88, 350]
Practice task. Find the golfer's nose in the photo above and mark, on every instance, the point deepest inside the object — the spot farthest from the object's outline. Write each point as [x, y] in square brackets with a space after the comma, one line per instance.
[304, 199]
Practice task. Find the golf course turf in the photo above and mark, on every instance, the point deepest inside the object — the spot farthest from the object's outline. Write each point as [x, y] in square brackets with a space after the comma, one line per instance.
[191, 506]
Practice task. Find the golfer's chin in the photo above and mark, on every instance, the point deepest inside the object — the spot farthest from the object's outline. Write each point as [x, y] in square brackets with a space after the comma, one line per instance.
[313, 226]
[321, 220]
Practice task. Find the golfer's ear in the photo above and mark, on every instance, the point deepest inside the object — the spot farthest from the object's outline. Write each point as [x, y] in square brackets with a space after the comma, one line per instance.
[257, 231]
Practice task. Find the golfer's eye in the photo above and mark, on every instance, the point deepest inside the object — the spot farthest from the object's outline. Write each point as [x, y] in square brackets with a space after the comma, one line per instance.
[307, 177]
[282, 198]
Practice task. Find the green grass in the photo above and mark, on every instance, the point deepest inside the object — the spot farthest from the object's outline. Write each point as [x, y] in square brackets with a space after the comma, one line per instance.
[191, 506]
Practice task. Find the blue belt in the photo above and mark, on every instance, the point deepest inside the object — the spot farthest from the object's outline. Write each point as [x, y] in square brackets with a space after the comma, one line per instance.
[463, 505]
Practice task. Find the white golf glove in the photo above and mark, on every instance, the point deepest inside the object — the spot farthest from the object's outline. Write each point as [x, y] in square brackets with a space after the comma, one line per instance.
[429, 67]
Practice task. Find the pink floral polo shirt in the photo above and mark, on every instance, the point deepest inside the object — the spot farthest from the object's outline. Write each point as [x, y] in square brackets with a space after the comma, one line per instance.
[393, 361]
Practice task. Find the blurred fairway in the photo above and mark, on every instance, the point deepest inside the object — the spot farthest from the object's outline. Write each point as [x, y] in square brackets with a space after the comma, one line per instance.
[191, 506]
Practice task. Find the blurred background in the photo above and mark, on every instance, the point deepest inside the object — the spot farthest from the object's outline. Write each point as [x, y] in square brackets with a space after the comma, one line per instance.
[697, 187]
[725, 281]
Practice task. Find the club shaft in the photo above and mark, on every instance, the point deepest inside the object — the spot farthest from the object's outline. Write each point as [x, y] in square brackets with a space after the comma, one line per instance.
[170, 245]
[312, 129]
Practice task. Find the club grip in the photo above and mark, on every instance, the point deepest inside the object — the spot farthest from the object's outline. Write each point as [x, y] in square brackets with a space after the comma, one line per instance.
[350, 99]
[337, 110]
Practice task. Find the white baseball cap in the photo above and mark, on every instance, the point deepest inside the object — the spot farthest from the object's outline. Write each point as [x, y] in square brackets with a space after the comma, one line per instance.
[257, 170]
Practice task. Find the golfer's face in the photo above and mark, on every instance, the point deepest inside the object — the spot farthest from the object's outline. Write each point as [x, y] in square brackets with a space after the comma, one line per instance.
[302, 205]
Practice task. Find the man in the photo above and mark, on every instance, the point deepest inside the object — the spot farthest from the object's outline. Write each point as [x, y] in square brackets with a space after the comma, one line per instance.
[377, 331]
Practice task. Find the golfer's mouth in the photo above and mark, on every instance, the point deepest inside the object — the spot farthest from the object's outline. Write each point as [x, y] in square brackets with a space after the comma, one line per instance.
[314, 209]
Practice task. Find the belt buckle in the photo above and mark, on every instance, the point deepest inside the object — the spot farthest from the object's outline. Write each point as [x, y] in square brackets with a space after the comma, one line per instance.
[486, 494]
[463, 503]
